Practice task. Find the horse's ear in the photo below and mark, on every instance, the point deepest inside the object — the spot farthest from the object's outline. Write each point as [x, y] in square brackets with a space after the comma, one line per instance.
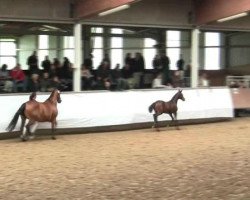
[180, 90]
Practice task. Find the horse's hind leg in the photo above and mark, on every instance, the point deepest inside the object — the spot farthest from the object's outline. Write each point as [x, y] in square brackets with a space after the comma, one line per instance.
[53, 127]
[22, 123]
[155, 121]
[24, 129]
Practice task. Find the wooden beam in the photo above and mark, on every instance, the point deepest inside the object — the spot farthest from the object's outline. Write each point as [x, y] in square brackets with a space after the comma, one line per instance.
[87, 8]
[211, 10]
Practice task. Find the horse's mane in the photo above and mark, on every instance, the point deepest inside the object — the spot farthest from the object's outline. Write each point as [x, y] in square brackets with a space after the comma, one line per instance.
[52, 93]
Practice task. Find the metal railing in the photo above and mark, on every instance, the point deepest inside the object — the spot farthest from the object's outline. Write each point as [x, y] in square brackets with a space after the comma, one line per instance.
[238, 81]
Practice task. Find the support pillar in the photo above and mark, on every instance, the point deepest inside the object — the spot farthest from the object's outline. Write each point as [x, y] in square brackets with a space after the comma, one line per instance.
[78, 57]
[195, 58]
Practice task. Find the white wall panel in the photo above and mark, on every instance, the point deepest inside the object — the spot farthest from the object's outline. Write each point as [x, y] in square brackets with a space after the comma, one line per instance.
[79, 110]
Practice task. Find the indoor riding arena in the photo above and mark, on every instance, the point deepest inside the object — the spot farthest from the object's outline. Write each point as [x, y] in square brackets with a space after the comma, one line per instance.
[125, 100]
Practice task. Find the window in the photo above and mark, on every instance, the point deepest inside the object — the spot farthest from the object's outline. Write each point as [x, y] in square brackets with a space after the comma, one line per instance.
[212, 51]
[116, 48]
[116, 31]
[149, 52]
[173, 48]
[43, 42]
[97, 44]
[96, 30]
[69, 46]
[8, 52]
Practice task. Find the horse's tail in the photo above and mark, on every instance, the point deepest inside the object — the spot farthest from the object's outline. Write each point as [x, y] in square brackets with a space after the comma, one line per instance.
[151, 107]
[13, 122]
[33, 96]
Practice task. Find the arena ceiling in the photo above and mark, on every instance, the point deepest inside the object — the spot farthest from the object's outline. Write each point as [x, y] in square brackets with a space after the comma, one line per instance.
[199, 13]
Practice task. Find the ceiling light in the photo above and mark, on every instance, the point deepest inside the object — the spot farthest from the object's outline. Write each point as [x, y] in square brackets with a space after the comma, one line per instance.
[50, 27]
[233, 17]
[119, 8]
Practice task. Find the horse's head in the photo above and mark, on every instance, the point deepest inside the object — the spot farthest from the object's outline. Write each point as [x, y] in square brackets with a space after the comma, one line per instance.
[180, 95]
[55, 96]
[59, 100]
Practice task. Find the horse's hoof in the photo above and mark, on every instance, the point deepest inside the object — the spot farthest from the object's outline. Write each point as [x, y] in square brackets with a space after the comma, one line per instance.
[24, 139]
[53, 138]
[31, 137]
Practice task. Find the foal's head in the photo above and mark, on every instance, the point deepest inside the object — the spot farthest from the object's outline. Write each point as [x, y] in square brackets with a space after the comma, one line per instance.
[180, 95]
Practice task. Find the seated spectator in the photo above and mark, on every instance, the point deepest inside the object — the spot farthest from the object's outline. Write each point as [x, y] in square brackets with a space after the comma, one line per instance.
[87, 78]
[187, 74]
[203, 80]
[19, 80]
[242, 84]
[180, 66]
[103, 76]
[55, 83]
[177, 79]
[5, 79]
[45, 82]
[127, 74]
[64, 73]
[34, 83]
[53, 71]
[88, 62]
[233, 84]
[157, 64]
[118, 81]
[157, 82]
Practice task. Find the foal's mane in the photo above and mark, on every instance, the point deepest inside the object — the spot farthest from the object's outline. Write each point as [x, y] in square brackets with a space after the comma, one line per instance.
[175, 97]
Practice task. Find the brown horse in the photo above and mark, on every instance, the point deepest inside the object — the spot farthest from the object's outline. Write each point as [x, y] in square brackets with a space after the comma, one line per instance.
[169, 107]
[35, 112]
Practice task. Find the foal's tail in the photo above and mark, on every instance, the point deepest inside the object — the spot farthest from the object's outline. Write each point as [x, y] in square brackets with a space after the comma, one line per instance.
[13, 122]
[151, 107]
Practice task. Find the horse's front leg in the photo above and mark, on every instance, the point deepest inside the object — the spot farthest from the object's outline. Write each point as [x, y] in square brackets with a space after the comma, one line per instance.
[32, 129]
[53, 127]
[176, 121]
[172, 121]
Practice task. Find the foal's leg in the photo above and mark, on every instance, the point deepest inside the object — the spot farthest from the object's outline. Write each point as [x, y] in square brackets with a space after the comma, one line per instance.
[155, 121]
[172, 121]
[176, 121]
[53, 126]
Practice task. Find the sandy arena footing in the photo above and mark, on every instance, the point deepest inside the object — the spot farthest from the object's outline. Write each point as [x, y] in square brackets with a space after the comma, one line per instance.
[207, 161]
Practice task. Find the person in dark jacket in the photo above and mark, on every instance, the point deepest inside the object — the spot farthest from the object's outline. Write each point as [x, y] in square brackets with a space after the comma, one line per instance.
[46, 64]
[32, 62]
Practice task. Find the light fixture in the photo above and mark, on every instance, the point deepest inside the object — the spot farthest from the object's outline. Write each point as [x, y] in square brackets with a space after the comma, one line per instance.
[233, 17]
[51, 27]
[119, 8]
